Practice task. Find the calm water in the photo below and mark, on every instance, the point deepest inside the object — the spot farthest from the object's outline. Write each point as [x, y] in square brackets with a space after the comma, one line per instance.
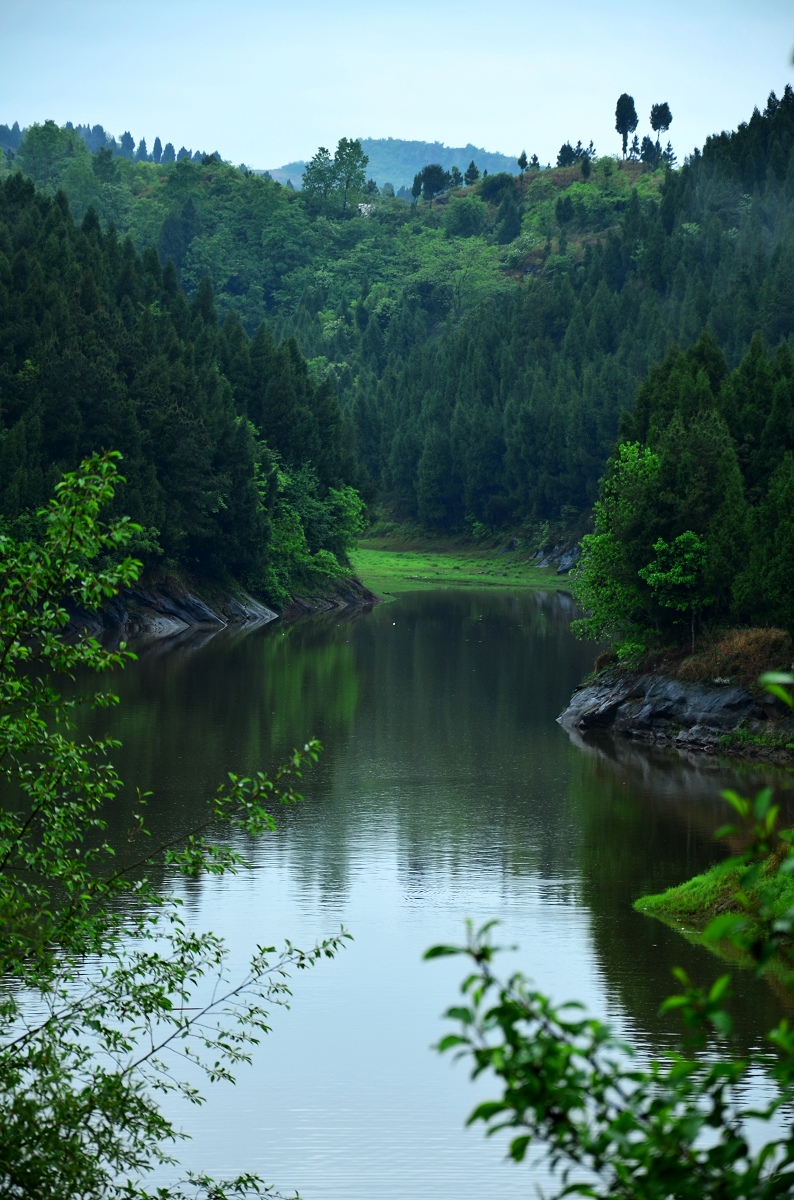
[446, 791]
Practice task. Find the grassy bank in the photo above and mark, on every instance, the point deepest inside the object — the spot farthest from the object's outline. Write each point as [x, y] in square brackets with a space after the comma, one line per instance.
[694, 903]
[388, 568]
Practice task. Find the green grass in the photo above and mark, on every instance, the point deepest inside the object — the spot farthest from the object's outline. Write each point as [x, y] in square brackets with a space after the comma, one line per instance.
[694, 903]
[738, 739]
[389, 571]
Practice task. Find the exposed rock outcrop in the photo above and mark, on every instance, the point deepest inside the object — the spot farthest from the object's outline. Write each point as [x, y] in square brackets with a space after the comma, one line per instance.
[161, 612]
[347, 593]
[655, 709]
[151, 613]
[564, 557]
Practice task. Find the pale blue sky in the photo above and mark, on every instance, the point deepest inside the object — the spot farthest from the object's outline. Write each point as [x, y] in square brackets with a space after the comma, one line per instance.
[267, 82]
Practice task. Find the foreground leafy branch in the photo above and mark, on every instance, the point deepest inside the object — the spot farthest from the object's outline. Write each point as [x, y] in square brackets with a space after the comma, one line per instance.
[109, 993]
[607, 1125]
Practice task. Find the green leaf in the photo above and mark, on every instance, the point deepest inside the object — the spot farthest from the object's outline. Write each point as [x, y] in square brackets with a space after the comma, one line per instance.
[442, 951]
[725, 927]
[719, 988]
[737, 802]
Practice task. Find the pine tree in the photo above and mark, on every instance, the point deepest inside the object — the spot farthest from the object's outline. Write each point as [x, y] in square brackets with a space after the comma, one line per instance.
[471, 174]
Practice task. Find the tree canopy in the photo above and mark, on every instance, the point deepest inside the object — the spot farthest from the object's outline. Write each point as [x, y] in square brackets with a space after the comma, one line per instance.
[626, 119]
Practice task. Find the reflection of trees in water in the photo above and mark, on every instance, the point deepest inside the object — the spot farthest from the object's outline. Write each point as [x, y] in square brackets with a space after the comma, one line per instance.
[188, 716]
[437, 714]
[647, 819]
[453, 754]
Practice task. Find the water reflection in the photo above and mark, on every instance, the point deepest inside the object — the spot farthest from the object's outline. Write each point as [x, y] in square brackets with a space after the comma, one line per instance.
[446, 790]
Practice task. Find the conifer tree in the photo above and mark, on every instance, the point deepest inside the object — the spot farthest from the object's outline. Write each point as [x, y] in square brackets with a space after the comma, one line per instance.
[661, 119]
[472, 174]
[626, 119]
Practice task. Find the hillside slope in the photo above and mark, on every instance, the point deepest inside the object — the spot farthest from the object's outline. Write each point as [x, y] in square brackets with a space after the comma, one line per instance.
[397, 161]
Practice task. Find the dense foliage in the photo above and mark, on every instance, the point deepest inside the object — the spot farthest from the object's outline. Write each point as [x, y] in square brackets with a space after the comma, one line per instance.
[113, 997]
[236, 458]
[696, 513]
[509, 411]
[484, 340]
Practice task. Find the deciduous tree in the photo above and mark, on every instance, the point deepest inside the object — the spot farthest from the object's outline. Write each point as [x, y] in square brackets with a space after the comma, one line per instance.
[350, 164]
[86, 1055]
[319, 177]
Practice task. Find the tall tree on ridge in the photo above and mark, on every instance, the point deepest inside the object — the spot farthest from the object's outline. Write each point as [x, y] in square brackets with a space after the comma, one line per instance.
[472, 174]
[350, 163]
[157, 150]
[522, 161]
[661, 119]
[626, 119]
[319, 178]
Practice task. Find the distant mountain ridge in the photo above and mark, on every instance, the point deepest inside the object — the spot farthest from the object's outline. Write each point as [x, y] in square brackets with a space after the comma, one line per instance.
[396, 161]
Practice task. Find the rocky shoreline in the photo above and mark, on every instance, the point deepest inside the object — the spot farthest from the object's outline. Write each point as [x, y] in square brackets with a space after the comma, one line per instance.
[162, 611]
[658, 710]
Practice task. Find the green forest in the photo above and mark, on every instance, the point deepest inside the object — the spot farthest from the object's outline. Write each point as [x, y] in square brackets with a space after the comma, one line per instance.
[466, 359]
[210, 376]
[236, 459]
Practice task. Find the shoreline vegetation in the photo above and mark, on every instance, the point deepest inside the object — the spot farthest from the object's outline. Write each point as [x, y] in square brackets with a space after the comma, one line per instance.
[691, 907]
[692, 904]
[742, 908]
[389, 566]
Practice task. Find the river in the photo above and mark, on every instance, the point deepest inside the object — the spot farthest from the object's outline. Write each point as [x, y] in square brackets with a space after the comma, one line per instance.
[446, 791]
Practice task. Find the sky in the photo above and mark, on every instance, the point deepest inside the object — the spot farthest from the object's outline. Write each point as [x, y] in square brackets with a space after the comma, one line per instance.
[267, 82]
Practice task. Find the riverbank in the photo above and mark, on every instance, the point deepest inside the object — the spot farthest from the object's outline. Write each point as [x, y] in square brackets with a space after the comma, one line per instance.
[705, 896]
[690, 906]
[163, 609]
[710, 701]
[712, 718]
[389, 568]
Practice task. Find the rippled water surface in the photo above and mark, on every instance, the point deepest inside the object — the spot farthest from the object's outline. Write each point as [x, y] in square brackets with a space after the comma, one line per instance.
[446, 791]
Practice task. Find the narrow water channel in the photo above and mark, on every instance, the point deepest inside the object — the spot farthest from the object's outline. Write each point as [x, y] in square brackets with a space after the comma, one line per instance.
[446, 790]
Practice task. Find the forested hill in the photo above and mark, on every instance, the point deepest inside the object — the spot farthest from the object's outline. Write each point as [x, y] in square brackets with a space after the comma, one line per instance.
[509, 411]
[484, 340]
[397, 161]
[237, 461]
